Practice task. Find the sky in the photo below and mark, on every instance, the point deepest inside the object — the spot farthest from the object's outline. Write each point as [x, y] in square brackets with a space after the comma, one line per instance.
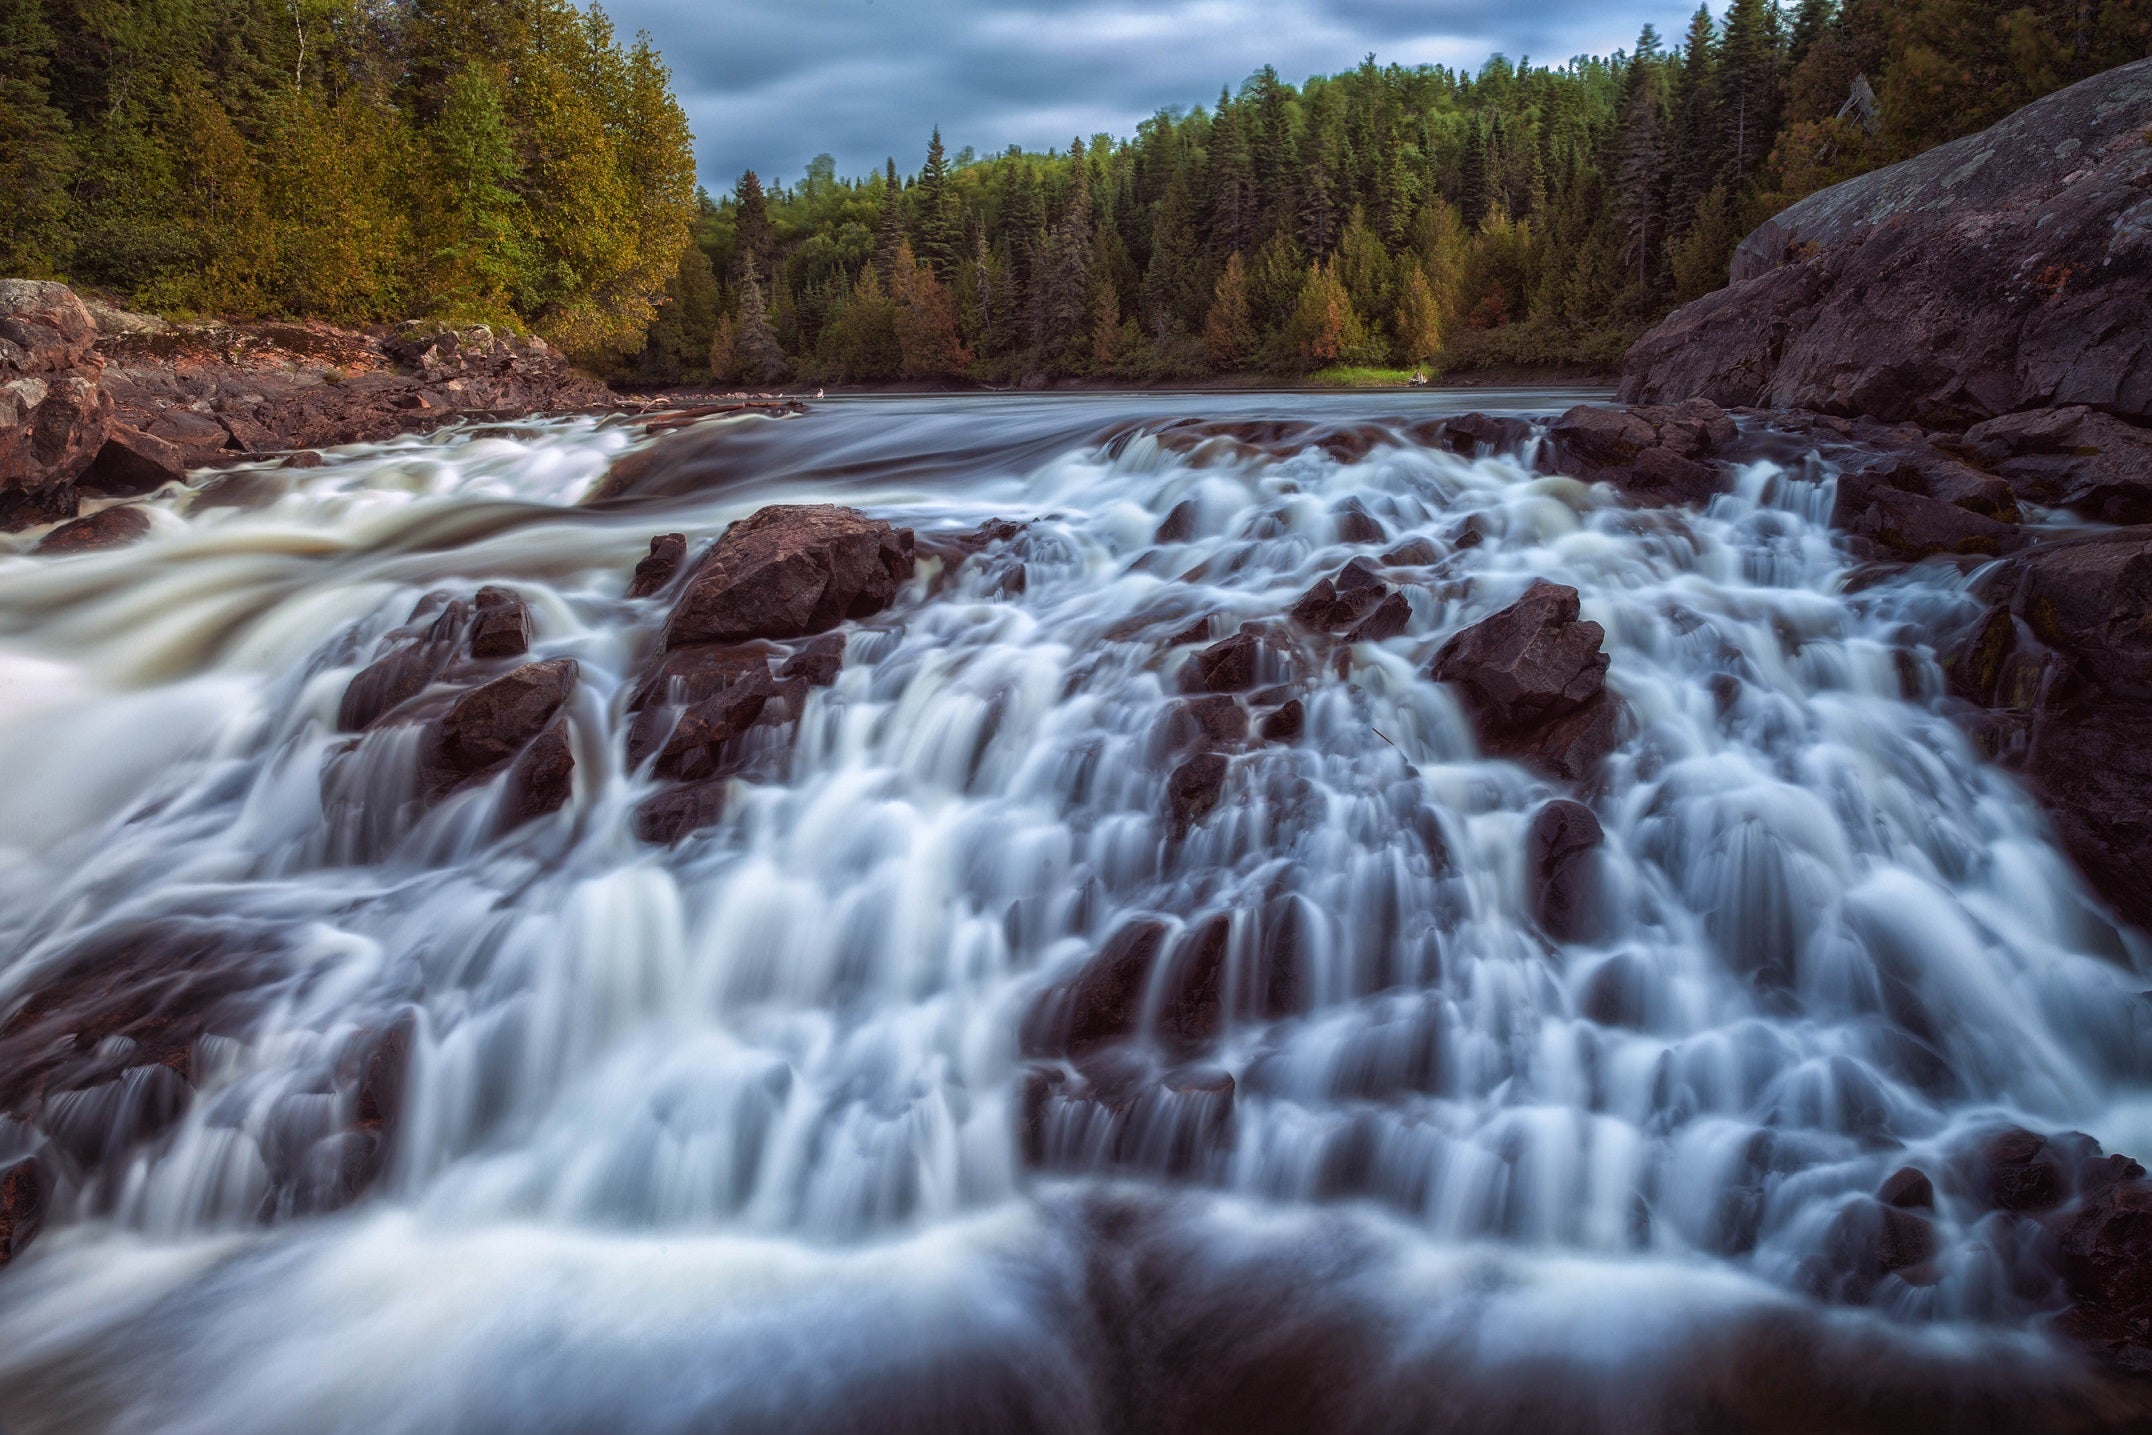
[769, 84]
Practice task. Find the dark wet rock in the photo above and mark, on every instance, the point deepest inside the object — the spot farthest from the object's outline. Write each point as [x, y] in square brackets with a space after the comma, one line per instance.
[1193, 985]
[1228, 666]
[668, 816]
[689, 745]
[1533, 679]
[2019, 1171]
[791, 571]
[816, 663]
[1103, 1002]
[1356, 525]
[1614, 994]
[2063, 661]
[2107, 1265]
[1390, 617]
[1286, 723]
[25, 1190]
[1869, 1241]
[305, 458]
[114, 527]
[490, 725]
[1413, 553]
[1561, 869]
[1193, 790]
[1207, 722]
[1590, 439]
[500, 624]
[2008, 270]
[1653, 453]
[542, 778]
[1912, 525]
[1473, 434]
[1180, 525]
[99, 1055]
[2075, 458]
[418, 653]
[132, 462]
[1341, 602]
[656, 571]
[1907, 1189]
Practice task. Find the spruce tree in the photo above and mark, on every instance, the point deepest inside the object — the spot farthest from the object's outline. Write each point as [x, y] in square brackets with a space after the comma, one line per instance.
[761, 359]
[1692, 148]
[889, 235]
[1747, 88]
[939, 225]
[751, 223]
[1229, 329]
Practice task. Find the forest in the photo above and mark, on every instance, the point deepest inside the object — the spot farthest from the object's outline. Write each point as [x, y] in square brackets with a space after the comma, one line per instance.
[1526, 216]
[513, 161]
[508, 161]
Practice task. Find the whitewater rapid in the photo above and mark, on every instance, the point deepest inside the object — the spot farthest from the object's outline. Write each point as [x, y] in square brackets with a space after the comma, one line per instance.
[728, 1135]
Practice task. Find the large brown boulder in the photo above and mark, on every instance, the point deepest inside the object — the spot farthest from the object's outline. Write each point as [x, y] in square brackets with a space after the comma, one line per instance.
[2008, 270]
[114, 527]
[54, 416]
[1534, 682]
[790, 571]
[2076, 458]
[490, 725]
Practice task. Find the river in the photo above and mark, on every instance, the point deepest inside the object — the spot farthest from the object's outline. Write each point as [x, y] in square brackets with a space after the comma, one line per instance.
[741, 1134]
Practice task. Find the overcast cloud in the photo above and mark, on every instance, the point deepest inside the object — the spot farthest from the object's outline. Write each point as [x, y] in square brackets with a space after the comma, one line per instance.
[768, 84]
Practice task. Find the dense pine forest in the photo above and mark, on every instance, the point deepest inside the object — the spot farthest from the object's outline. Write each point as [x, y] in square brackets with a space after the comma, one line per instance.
[1526, 215]
[513, 161]
[502, 160]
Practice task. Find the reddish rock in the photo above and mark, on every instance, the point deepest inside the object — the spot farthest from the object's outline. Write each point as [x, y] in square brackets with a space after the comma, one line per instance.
[1286, 723]
[25, 1189]
[2018, 1170]
[1356, 525]
[500, 624]
[1908, 1189]
[489, 725]
[1193, 985]
[1591, 438]
[44, 328]
[114, 527]
[817, 663]
[541, 780]
[687, 745]
[1229, 666]
[1534, 681]
[1880, 505]
[418, 652]
[665, 818]
[2007, 270]
[1390, 617]
[2075, 458]
[792, 571]
[1206, 722]
[1413, 553]
[132, 462]
[1180, 525]
[1103, 1002]
[1561, 869]
[656, 572]
[1193, 791]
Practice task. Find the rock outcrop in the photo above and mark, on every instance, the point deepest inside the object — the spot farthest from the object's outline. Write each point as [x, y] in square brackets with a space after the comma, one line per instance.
[54, 415]
[2009, 270]
[2061, 668]
[1533, 679]
[791, 571]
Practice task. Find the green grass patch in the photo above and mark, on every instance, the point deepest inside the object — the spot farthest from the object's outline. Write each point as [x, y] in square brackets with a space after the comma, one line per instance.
[1354, 376]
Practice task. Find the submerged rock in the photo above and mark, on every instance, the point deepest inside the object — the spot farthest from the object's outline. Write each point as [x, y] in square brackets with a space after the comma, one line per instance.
[1561, 869]
[655, 573]
[114, 527]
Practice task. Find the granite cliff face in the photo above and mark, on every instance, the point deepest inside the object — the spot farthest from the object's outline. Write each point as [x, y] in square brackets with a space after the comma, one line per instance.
[2005, 271]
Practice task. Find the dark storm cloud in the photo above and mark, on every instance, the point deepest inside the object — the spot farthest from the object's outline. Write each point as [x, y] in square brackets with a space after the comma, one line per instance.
[770, 83]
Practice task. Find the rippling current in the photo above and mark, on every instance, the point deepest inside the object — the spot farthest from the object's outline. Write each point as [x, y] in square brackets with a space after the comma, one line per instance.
[739, 1135]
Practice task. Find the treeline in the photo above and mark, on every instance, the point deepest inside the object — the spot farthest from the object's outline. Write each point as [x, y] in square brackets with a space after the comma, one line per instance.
[501, 160]
[1526, 214]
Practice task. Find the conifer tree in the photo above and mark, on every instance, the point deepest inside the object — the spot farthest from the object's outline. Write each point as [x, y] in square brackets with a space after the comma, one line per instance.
[1229, 328]
[889, 227]
[751, 223]
[928, 345]
[760, 357]
[939, 226]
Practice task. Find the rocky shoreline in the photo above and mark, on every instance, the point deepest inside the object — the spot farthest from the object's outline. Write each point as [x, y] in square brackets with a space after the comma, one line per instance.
[97, 403]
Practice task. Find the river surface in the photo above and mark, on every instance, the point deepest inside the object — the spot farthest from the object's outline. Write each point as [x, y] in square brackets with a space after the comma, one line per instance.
[726, 1136]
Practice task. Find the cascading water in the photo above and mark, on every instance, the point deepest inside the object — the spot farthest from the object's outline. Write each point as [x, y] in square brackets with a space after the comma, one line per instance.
[757, 1131]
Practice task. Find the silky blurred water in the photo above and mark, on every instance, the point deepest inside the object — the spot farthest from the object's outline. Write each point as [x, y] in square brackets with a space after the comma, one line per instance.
[725, 1136]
